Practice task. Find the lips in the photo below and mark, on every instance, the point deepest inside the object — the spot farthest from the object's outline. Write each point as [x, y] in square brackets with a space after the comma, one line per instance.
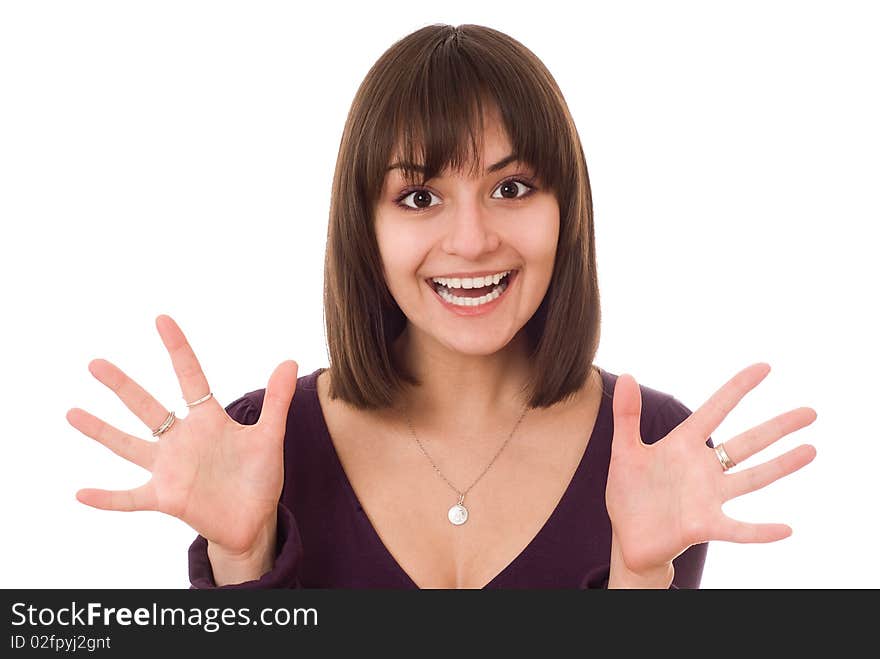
[473, 292]
[478, 310]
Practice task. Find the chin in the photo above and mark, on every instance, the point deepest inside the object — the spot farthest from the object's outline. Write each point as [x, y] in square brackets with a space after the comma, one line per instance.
[475, 346]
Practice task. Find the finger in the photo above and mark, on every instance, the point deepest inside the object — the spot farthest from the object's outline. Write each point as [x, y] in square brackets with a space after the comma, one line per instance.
[279, 395]
[732, 530]
[142, 404]
[754, 478]
[193, 383]
[140, 498]
[133, 449]
[627, 407]
[747, 444]
[710, 414]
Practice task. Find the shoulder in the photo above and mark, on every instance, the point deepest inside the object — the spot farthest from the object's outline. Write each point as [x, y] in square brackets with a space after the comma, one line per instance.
[246, 408]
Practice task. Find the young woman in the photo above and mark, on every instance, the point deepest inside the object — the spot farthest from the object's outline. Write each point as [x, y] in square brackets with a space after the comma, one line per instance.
[462, 436]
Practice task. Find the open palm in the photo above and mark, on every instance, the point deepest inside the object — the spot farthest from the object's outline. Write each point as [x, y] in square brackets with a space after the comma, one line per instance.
[222, 478]
[664, 497]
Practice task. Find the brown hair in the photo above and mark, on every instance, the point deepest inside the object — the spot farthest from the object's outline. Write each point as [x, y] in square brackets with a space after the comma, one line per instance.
[425, 97]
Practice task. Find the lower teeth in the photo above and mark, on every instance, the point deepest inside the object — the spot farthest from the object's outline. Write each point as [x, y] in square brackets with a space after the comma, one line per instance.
[473, 301]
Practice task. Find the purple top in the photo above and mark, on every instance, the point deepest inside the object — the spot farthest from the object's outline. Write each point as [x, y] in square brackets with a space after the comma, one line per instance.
[326, 540]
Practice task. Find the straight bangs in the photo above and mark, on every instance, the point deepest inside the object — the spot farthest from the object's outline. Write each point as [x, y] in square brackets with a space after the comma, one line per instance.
[429, 115]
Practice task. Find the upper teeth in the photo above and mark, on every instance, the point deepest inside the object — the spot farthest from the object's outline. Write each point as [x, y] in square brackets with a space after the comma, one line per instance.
[471, 282]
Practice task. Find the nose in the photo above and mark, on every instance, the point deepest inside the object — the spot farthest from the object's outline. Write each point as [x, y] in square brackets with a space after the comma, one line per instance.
[470, 234]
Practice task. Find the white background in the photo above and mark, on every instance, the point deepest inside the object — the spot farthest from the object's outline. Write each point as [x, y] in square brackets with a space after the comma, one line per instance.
[176, 157]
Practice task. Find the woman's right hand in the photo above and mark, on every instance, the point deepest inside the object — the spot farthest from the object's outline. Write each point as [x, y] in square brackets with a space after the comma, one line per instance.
[222, 478]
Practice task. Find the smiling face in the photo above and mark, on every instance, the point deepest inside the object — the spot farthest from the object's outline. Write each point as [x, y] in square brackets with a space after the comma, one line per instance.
[457, 228]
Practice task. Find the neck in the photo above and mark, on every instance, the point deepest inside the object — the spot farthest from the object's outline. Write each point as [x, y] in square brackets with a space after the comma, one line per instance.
[465, 395]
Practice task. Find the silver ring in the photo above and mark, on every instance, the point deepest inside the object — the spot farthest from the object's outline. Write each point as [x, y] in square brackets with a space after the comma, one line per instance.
[723, 458]
[166, 424]
[207, 396]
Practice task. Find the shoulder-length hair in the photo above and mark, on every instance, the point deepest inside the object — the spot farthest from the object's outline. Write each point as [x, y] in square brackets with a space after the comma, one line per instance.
[423, 99]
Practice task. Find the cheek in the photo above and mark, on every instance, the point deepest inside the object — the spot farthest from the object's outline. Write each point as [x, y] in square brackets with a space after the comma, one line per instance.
[401, 252]
[540, 237]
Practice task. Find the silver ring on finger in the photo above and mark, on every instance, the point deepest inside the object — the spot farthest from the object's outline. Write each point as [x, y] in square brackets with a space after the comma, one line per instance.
[166, 424]
[207, 396]
[723, 458]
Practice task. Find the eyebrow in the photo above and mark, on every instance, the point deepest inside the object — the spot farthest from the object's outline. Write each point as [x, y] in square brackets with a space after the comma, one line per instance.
[501, 164]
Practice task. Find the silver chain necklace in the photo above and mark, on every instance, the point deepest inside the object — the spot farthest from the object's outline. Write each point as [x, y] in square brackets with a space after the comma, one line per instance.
[458, 514]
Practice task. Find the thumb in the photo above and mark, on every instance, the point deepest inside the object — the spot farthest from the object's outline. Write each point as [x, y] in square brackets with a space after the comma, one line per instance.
[627, 408]
[279, 395]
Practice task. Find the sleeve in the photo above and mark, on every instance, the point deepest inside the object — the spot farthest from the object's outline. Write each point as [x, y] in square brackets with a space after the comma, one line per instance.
[285, 572]
[689, 564]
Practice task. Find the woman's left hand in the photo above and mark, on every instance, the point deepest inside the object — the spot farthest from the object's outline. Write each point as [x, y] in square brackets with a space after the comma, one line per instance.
[664, 497]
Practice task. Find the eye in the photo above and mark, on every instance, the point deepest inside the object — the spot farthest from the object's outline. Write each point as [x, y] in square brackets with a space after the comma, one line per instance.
[510, 185]
[421, 197]
[512, 189]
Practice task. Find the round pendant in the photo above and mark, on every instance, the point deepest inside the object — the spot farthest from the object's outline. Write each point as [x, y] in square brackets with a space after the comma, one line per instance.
[458, 514]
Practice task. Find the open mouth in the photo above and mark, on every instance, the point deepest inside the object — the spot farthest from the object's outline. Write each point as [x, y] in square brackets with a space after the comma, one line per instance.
[454, 293]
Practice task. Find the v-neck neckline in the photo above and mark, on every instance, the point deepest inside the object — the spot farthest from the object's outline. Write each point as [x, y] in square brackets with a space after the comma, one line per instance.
[602, 418]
